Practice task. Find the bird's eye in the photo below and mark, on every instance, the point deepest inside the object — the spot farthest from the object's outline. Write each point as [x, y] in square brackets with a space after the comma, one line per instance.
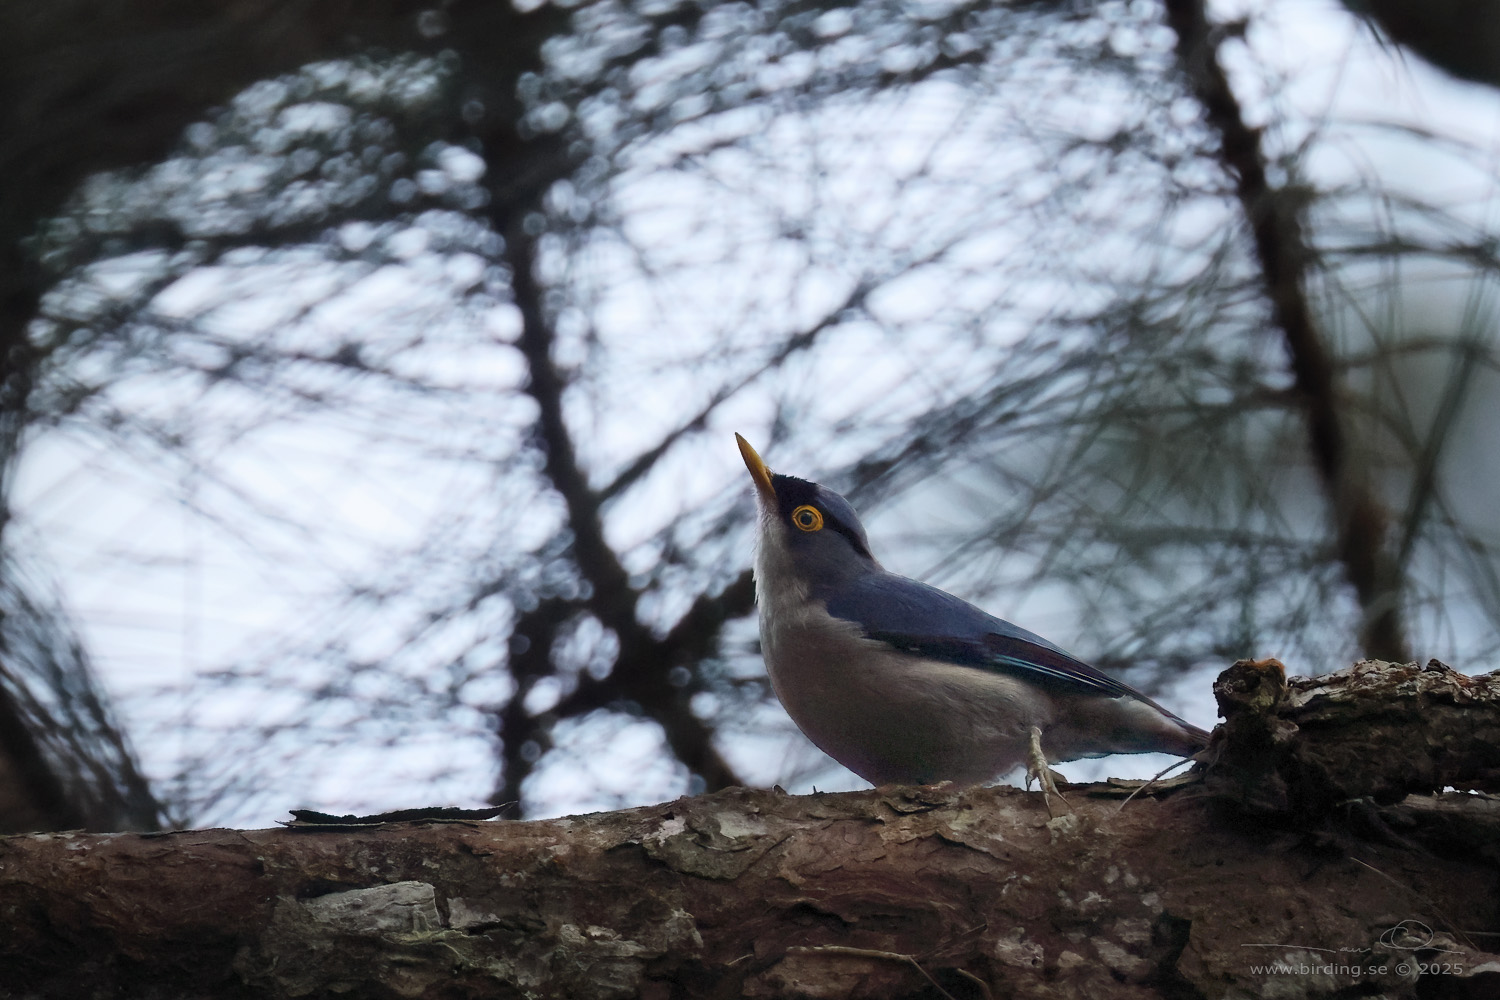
[807, 518]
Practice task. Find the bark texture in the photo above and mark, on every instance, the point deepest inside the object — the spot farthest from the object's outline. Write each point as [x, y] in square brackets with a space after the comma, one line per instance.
[893, 892]
[1302, 746]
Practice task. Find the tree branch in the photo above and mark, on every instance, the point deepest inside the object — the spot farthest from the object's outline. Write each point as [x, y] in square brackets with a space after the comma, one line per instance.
[1461, 36]
[1283, 255]
[882, 893]
[1298, 748]
[640, 673]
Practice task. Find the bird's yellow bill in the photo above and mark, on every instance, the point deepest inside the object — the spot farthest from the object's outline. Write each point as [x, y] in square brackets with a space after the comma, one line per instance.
[758, 470]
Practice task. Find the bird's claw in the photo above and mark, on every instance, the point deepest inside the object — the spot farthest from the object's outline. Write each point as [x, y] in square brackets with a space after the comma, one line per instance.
[1036, 767]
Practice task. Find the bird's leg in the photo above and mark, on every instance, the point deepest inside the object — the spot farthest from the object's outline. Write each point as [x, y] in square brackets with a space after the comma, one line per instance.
[1036, 767]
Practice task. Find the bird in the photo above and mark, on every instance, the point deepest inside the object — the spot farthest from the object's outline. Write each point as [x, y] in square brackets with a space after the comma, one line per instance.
[903, 683]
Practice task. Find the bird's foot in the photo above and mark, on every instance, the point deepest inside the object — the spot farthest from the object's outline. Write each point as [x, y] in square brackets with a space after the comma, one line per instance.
[1036, 767]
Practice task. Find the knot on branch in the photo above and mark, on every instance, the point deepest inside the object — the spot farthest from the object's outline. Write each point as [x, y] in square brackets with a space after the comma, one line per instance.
[1297, 747]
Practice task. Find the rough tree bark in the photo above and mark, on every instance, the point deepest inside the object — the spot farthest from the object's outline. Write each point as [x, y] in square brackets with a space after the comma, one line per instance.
[1217, 889]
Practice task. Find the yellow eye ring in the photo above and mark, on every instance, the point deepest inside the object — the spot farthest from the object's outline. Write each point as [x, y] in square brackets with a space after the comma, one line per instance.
[807, 518]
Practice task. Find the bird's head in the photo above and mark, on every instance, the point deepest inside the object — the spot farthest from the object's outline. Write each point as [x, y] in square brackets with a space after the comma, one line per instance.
[806, 530]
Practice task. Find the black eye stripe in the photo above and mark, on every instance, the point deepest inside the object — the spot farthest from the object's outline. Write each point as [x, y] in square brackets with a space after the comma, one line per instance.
[858, 545]
[792, 493]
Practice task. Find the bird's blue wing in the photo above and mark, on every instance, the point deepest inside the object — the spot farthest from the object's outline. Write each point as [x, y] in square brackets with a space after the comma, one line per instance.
[914, 617]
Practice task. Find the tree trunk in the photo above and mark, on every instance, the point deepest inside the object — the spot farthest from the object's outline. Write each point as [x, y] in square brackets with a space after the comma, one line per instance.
[892, 892]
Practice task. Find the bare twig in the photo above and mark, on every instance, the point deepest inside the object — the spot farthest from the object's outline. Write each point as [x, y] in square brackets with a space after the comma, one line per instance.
[641, 669]
[1283, 255]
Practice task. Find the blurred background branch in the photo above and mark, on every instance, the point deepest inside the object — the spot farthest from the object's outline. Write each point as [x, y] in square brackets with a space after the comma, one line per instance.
[1283, 255]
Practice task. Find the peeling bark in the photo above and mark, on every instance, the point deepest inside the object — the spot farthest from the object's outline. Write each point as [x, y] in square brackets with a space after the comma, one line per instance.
[1301, 746]
[893, 892]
